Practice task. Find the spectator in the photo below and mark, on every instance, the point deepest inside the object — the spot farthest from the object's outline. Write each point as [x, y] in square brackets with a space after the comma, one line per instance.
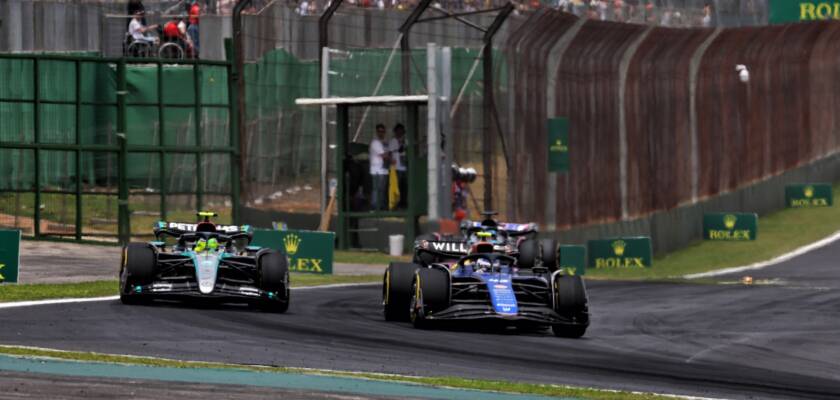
[138, 30]
[707, 15]
[397, 148]
[378, 156]
[175, 31]
[303, 7]
[133, 7]
[192, 30]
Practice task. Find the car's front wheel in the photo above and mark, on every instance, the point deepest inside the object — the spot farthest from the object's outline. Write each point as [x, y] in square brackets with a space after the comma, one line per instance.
[396, 290]
[570, 301]
[137, 270]
[431, 288]
[274, 281]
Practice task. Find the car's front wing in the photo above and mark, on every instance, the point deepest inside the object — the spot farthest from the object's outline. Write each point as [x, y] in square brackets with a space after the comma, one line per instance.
[541, 315]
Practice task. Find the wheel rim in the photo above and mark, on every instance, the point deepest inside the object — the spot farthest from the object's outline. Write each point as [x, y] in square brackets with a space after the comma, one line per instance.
[413, 303]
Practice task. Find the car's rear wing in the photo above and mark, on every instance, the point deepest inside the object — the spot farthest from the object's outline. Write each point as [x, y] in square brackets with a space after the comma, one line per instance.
[445, 248]
[511, 228]
[185, 227]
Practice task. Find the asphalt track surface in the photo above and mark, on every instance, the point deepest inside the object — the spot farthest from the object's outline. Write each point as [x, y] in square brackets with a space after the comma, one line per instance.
[777, 338]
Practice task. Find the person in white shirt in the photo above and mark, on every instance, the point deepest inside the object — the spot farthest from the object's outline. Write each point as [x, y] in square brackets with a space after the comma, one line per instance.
[138, 31]
[397, 148]
[378, 155]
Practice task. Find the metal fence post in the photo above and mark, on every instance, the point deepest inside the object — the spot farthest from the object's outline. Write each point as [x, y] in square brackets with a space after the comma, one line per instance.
[36, 108]
[233, 118]
[237, 90]
[78, 65]
[199, 172]
[161, 142]
[123, 220]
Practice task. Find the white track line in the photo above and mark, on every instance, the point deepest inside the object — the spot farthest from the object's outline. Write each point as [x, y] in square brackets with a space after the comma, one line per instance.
[112, 298]
[762, 264]
[55, 301]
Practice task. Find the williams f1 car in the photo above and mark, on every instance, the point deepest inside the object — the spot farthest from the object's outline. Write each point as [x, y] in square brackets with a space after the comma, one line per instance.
[204, 260]
[516, 240]
[486, 285]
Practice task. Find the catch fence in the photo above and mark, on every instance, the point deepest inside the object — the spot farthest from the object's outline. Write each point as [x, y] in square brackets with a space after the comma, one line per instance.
[100, 148]
[659, 117]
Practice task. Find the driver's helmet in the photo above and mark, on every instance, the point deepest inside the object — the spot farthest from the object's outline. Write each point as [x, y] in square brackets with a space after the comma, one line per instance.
[482, 263]
[487, 235]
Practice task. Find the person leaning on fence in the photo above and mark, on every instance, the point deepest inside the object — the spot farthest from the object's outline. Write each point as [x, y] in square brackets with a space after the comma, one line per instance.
[378, 156]
[192, 30]
[138, 31]
[397, 148]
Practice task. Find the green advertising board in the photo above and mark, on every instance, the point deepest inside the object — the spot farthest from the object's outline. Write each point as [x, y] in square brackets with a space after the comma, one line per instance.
[573, 259]
[9, 256]
[621, 252]
[308, 251]
[809, 195]
[787, 11]
[730, 226]
[558, 144]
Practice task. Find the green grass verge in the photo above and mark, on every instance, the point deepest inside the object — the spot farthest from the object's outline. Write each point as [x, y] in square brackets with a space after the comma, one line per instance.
[43, 291]
[451, 382]
[366, 257]
[778, 233]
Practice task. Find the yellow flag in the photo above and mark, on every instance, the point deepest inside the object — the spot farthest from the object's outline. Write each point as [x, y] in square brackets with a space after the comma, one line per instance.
[393, 189]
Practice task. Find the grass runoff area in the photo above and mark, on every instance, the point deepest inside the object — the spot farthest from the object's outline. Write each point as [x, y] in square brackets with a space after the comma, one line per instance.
[449, 382]
[778, 233]
[44, 291]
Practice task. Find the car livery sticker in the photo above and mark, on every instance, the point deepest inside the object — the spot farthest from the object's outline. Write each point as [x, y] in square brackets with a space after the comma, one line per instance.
[502, 296]
[449, 247]
[181, 226]
[206, 269]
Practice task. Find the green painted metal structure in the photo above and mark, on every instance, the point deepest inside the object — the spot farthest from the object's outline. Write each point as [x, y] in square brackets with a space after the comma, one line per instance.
[348, 221]
[80, 135]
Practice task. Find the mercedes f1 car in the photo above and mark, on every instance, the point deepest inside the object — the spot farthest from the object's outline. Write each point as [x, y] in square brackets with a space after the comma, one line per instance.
[486, 285]
[204, 260]
[516, 240]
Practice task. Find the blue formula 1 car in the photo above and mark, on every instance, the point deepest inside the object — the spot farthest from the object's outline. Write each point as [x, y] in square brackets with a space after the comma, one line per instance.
[204, 260]
[486, 285]
[516, 240]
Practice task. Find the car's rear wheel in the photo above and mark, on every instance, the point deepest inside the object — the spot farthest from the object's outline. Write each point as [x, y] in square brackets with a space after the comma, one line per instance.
[138, 269]
[396, 290]
[274, 279]
[571, 302]
[528, 252]
[548, 254]
[431, 288]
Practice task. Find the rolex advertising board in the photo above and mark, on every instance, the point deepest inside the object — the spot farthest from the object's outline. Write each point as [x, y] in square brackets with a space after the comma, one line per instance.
[787, 11]
[730, 226]
[809, 195]
[621, 252]
[308, 251]
[9, 256]
[558, 145]
[572, 259]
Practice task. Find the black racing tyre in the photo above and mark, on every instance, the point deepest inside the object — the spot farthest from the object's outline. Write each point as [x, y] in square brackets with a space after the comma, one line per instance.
[548, 253]
[138, 269]
[571, 302]
[425, 258]
[431, 294]
[274, 278]
[528, 252]
[396, 290]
